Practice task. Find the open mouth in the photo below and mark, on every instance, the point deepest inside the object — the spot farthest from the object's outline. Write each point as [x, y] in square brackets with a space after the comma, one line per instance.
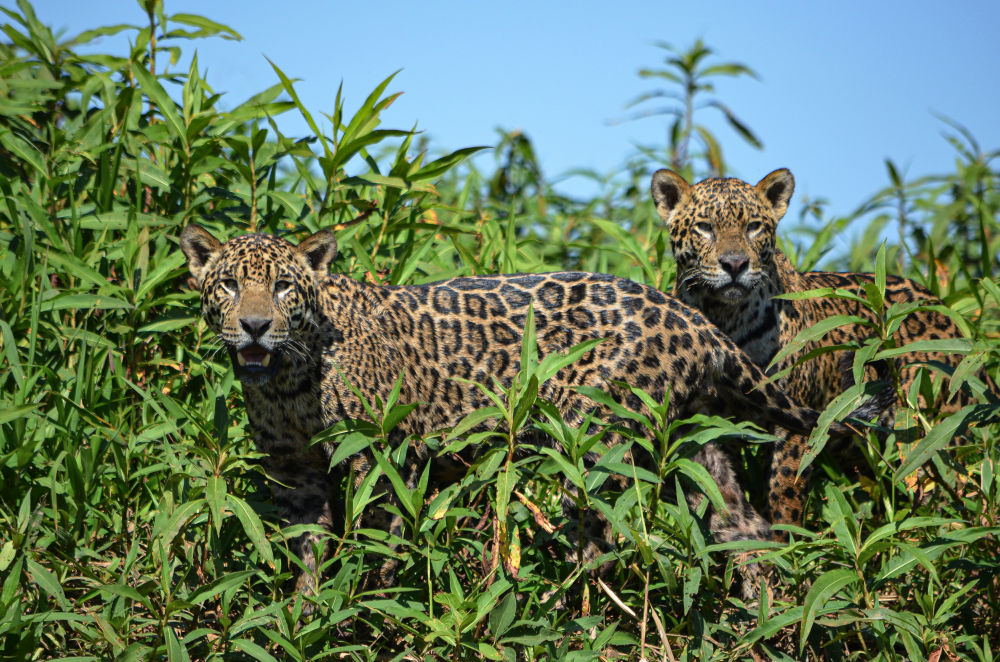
[253, 356]
[254, 364]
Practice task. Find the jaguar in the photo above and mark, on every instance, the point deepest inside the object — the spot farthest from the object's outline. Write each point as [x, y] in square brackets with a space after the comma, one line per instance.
[309, 345]
[722, 232]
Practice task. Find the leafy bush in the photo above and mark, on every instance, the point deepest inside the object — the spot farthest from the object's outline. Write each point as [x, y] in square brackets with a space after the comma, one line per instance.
[135, 521]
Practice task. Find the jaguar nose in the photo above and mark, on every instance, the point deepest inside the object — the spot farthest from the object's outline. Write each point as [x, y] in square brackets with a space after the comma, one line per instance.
[255, 326]
[734, 263]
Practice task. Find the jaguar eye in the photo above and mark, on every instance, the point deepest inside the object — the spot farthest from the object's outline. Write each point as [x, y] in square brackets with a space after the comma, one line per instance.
[281, 286]
[230, 285]
[705, 228]
[754, 227]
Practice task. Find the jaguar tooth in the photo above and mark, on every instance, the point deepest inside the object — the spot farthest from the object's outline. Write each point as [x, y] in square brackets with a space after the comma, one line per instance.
[266, 360]
[239, 359]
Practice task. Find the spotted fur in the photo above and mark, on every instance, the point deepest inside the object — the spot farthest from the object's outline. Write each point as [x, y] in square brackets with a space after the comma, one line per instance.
[293, 329]
[723, 236]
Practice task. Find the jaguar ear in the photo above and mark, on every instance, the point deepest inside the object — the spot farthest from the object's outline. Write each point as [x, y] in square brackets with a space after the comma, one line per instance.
[198, 245]
[319, 250]
[777, 189]
[669, 190]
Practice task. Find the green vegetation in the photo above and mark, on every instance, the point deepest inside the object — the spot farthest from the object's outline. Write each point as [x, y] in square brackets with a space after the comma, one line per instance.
[135, 522]
[688, 71]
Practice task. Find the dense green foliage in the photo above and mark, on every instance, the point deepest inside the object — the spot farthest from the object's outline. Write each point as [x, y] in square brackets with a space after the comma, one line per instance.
[135, 522]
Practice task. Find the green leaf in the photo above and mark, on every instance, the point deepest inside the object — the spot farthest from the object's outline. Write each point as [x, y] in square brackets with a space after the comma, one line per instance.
[992, 288]
[841, 517]
[175, 652]
[76, 267]
[168, 109]
[395, 415]
[556, 361]
[814, 333]
[488, 652]
[289, 88]
[48, 582]
[349, 444]
[178, 519]
[527, 398]
[106, 31]
[894, 177]
[741, 128]
[7, 553]
[13, 413]
[567, 468]
[439, 166]
[128, 593]
[901, 620]
[628, 245]
[391, 181]
[252, 526]
[838, 409]
[506, 480]
[778, 622]
[878, 296]
[822, 589]
[441, 503]
[501, 617]
[945, 345]
[474, 419]
[253, 650]
[968, 372]
[704, 480]
[616, 408]
[402, 491]
[215, 495]
[24, 150]
[166, 323]
[529, 348]
[728, 69]
[208, 27]
[366, 118]
[692, 585]
[910, 523]
[939, 437]
[83, 302]
[822, 292]
[220, 586]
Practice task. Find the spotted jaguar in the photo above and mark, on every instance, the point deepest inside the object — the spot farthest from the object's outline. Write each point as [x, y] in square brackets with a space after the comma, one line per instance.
[722, 232]
[297, 335]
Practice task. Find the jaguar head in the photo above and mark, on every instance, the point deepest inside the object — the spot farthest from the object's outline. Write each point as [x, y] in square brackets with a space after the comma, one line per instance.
[722, 230]
[259, 293]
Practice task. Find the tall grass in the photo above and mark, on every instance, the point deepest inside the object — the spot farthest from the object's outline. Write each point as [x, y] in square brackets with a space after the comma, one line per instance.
[135, 521]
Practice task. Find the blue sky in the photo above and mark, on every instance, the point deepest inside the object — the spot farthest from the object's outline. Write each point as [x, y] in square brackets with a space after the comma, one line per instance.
[842, 85]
